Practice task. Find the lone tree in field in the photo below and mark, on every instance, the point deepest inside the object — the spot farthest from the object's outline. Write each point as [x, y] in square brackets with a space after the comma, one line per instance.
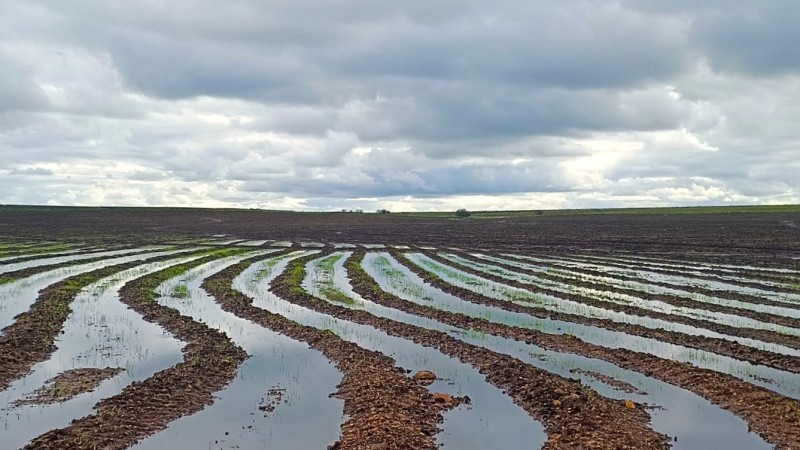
[463, 213]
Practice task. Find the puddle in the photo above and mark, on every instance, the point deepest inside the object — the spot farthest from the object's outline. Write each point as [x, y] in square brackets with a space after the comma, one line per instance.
[492, 418]
[100, 332]
[17, 297]
[783, 383]
[304, 417]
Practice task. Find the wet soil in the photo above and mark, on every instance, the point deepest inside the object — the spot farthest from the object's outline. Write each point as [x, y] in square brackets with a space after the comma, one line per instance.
[68, 385]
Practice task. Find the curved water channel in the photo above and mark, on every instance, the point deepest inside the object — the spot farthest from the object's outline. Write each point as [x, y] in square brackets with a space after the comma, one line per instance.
[567, 275]
[524, 297]
[493, 416]
[18, 296]
[675, 280]
[100, 332]
[677, 411]
[74, 257]
[652, 305]
[779, 381]
[305, 416]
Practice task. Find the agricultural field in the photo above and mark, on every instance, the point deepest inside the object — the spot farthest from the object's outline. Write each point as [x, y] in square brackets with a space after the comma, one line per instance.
[224, 329]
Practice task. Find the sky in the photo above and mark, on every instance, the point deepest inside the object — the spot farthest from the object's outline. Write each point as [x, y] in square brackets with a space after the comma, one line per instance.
[416, 105]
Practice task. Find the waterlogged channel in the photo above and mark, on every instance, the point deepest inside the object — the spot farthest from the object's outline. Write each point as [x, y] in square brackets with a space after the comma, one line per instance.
[281, 373]
[630, 300]
[675, 280]
[698, 271]
[100, 332]
[676, 411]
[73, 257]
[612, 282]
[492, 418]
[547, 302]
[18, 296]
[779, 381]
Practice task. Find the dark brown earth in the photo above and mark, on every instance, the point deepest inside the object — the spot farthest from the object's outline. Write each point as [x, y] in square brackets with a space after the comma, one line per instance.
[737, 236]
[69, 384]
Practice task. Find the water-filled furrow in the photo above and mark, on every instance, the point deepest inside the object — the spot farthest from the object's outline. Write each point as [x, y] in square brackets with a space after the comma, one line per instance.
[745, 271]
[493, 415]
[700, 274]
[53, 254]
[679, 280]
[672, 405]
[18, 296]
[100, 332]
[253, 243]
[546, 302]
[612, 282]
[74, 257]
[675, 282]
[281, 395]
[727, 319]
[782, 382]
[38, 251]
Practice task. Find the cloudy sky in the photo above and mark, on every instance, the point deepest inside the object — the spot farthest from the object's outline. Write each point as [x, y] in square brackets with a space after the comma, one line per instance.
[412, 105]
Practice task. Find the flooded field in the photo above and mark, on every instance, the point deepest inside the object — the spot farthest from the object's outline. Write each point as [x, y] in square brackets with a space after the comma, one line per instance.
[263, 341]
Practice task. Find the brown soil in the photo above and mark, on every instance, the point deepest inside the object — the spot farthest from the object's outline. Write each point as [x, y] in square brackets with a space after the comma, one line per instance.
[69, 384]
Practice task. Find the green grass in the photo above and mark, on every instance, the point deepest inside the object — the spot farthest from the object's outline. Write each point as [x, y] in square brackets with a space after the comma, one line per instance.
[180, 291]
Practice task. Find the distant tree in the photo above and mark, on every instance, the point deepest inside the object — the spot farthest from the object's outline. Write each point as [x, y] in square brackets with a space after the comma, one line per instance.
[463, 213]
[384, 211]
